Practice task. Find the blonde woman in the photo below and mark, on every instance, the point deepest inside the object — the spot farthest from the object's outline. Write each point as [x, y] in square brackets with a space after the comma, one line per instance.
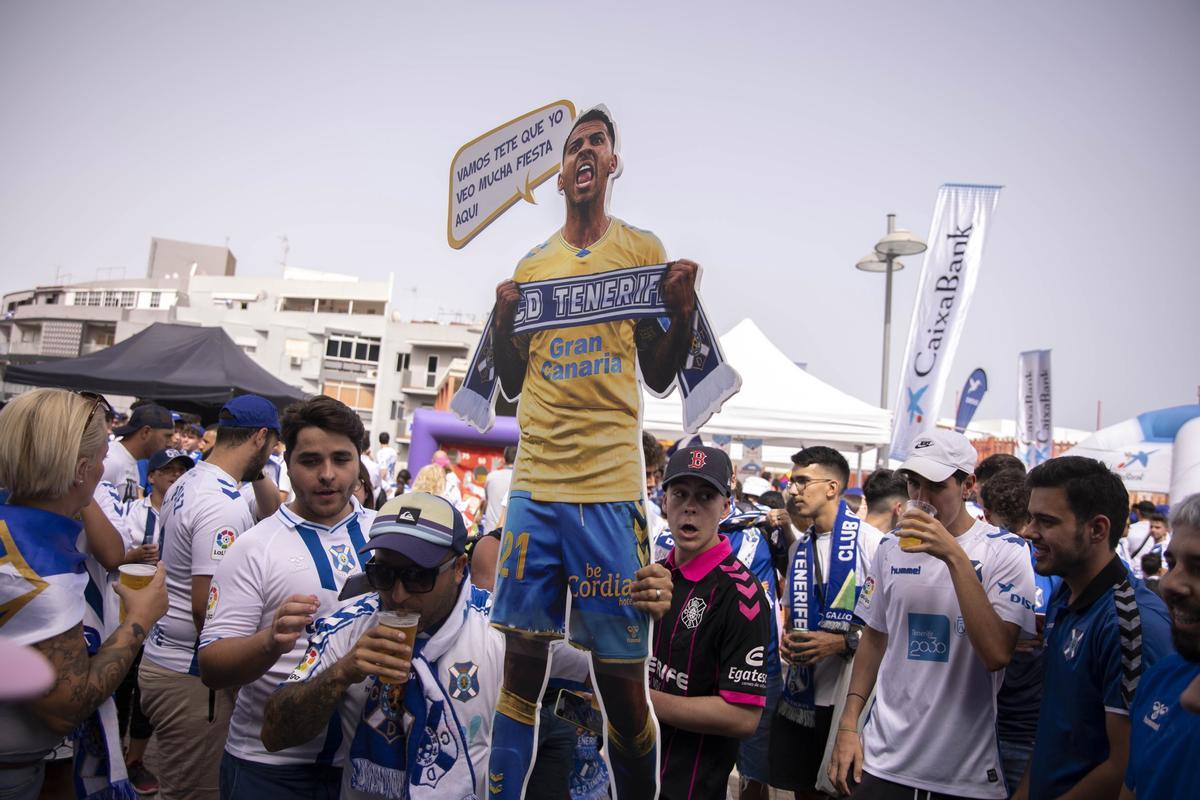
[430, 479]
[52, 448]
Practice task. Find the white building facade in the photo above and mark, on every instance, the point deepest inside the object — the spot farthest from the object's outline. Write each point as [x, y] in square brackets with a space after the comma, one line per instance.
[322, 332]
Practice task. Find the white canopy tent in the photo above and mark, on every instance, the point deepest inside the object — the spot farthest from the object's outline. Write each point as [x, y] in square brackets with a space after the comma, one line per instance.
[1140, 449]
[779, 403]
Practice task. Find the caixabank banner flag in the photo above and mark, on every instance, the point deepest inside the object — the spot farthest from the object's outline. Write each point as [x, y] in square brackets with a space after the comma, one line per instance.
[1035, 430]
[961, 220]
[968, 402]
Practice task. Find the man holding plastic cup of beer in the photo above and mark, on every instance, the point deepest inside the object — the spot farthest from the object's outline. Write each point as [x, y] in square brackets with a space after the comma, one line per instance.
[943, 607]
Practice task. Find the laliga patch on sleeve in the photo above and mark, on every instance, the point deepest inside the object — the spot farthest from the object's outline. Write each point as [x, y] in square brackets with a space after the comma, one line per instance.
[928, 637]
[222, 542]
[214, 594]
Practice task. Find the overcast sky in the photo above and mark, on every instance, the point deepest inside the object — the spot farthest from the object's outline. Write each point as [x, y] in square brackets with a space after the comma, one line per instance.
[765, 141]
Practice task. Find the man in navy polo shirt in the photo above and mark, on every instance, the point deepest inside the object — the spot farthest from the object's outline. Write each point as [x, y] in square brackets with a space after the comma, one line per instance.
[1164, 740]
[1102, 630]
[708, 678]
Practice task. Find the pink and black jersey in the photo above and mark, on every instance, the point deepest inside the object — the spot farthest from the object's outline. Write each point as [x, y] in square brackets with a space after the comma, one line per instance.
[713, 641]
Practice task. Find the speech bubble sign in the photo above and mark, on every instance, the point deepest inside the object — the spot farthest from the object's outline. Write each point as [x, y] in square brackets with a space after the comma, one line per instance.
[492, 172]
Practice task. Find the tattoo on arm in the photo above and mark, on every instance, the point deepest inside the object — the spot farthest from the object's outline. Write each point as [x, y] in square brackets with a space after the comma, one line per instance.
[298, 712]
[83, 683]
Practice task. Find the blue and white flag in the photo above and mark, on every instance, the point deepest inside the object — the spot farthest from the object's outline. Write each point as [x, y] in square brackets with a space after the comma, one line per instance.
[968, 402]
[961, 219]
[42, 574]
[705, 382]
[1035, 428]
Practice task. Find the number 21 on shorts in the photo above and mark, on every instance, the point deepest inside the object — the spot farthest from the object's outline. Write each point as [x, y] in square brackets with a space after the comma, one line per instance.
[506, 548]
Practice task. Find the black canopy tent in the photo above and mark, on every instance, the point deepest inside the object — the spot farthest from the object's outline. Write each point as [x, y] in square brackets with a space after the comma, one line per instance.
[184, 367]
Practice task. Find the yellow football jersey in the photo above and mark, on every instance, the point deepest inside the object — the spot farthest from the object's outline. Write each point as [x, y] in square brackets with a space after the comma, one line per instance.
[581, 402]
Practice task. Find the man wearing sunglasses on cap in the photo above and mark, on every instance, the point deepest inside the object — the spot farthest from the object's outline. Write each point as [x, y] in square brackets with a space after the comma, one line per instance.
[411, 710]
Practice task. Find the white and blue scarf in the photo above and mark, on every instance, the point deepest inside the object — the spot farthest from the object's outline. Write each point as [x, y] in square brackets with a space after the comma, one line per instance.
[705, 382]
[433, 759]
[829, 610]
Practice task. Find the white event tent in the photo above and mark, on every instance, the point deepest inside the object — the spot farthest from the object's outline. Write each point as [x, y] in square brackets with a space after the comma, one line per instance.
[779, 403]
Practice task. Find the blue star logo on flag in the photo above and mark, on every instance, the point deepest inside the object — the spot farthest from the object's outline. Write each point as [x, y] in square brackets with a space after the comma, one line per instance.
[464, 680]
[1140, 457]
[915, 412]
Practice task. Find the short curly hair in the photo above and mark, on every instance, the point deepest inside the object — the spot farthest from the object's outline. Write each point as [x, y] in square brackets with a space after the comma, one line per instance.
[1006, 498]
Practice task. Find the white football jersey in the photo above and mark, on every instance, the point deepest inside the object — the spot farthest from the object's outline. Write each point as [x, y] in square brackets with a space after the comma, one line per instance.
[933, 725]
[281, 556]
[141, 522]
[202, 514]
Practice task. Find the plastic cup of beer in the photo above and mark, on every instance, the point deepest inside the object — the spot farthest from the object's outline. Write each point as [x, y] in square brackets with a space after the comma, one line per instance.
[909, 542]
[135, 576]
[405, 621]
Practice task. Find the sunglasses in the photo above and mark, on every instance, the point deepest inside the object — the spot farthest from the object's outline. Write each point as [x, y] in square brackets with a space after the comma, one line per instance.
[98, 401]
[416, 580]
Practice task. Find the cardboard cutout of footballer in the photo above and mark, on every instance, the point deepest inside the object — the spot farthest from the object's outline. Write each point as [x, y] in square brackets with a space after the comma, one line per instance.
[588, 316]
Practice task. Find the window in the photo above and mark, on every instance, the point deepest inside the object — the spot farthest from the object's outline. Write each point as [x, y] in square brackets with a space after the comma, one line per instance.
[128, 299]
[402, 361]
[360, 398]
[347, 347]
[431, 371]
[155, 299]
[111, 300]
[397, 410]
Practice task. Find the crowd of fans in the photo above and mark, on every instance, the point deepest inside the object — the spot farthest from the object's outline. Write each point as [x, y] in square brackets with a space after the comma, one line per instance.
[948, 629]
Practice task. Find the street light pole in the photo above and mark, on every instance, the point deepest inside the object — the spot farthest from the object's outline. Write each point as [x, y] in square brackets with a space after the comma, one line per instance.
[889, 259]
[896, 242]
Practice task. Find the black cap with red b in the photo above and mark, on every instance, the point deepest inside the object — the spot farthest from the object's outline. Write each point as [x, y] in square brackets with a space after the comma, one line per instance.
[710, 464]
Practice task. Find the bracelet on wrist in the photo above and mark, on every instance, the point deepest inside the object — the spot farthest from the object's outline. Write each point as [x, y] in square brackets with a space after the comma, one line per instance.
[848, 730]
[856, 694]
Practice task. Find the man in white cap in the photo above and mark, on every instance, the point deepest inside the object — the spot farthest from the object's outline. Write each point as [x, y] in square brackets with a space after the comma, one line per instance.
[942, 607]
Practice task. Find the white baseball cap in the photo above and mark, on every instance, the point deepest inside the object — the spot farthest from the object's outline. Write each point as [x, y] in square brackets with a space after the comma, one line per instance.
[938, 454]
[754, 486]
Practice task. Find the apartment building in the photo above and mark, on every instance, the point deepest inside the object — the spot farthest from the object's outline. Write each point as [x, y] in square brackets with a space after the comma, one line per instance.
[322, 332]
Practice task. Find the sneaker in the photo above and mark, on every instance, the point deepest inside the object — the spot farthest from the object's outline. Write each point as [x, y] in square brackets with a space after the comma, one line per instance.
[142, 779]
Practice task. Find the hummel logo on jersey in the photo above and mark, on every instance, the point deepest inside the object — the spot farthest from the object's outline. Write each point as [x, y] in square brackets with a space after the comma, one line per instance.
[906, 570]
[1156, 711]
[409, 515]
[698, 459]
[755, 657]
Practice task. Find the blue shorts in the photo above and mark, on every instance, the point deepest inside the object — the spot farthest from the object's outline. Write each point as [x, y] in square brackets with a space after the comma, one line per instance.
[592, 549]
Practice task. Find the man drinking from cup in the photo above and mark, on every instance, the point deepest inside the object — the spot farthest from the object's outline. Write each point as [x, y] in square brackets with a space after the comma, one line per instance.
[942, 619]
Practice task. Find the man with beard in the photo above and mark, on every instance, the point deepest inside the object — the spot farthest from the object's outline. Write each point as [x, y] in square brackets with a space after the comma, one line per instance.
[1164, 740]
[575, 515]
[1103, 629]
[281, 575]
[203, 513]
